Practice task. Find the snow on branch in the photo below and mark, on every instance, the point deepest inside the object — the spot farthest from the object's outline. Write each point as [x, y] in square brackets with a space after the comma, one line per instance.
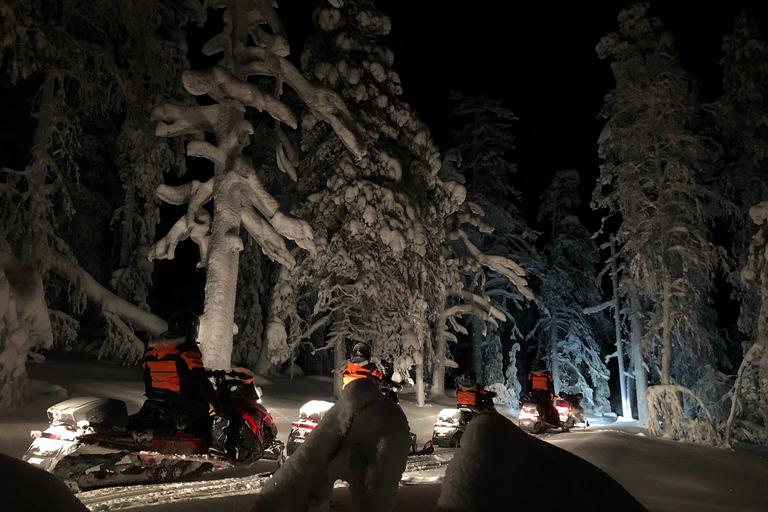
[598, 308]
[221, 85]
[268, 238]
[172, 120]
[667, 418]
[500, 264]
[195, 224]
[325, 104]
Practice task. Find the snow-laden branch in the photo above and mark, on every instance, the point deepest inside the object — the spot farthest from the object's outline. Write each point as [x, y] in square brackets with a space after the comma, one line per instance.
[752, 355]
[62, 265]
[591, 310]
[500, 264]
[267, 237]
[663, 402]
[326, 104]
[172, 120]
[195, 224]
[221, 85]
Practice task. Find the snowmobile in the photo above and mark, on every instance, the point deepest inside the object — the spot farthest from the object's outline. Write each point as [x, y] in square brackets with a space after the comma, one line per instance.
[91, 442]
[452, 422]
[570, 414]
[313, 411]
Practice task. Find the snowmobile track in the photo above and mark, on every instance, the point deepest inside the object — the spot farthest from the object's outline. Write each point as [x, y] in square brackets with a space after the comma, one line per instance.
[120, 498]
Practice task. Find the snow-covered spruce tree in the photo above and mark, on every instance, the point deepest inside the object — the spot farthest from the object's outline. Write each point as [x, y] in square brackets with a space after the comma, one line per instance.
[740, 114]
[486, 143]
[475, 284]
[748, 417]
[24, 325]
[378, 222]
[569, 283]
[236, 189]
[98, 81]
[653, 161]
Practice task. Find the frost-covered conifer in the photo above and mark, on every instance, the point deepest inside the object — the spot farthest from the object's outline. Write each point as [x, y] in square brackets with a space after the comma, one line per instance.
[251, 43]
[748, 418]
[568, 284]
[377, 221]
[485, 143]
[652, 175]
[741, 114]
[102, 66]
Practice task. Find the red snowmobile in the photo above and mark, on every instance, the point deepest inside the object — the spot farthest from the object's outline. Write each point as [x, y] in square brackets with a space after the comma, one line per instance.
[92, 442]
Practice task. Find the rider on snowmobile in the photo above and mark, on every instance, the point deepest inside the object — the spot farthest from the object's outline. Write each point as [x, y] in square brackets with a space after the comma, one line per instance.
[173, 367]
[471, 394]
[542, 388]
[360, 366]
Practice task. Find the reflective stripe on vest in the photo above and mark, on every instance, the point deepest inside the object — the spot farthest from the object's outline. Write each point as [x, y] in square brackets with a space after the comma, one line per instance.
[350, 377]
[540, 381]
[164, 375]
[464, 397]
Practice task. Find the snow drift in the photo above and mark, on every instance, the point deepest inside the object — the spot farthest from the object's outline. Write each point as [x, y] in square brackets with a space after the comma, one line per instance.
[362, 440]
[25, 488]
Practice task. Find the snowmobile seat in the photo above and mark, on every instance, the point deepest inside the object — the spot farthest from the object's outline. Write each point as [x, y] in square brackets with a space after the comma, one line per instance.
[159, 416]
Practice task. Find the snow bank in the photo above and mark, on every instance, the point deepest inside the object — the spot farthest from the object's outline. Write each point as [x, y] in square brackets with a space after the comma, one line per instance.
[25, 488]
[362, 440]
[500, 464]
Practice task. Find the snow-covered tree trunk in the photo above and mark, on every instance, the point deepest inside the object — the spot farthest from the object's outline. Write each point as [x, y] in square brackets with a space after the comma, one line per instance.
[339, 362]
[221, 273]
[636, 355]
[626, 408]
[478, 337]
[554, 353]
[438, 368]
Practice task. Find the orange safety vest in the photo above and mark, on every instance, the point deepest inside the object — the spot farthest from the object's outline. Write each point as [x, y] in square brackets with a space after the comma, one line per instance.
[540, 380]
[466, 397]
[164, 363]
[358, 371]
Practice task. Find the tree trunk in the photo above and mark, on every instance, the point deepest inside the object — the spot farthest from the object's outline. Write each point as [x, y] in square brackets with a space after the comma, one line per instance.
[218, 326]
[666, 351]
[641, 375]
[339, 362]
[129, 211]
[420, 398]
[477, 348]
[626, 408]
[554, 357]
[438, 372]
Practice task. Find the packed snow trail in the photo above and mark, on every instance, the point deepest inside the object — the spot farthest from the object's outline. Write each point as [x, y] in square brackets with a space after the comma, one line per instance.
[120, 498]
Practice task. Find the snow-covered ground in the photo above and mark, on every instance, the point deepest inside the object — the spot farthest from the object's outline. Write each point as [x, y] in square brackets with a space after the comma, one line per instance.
[663, 475]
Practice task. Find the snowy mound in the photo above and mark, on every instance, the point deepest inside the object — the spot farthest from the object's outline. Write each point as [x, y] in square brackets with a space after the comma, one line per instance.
[499, 464]
[25, 488]
[362, 440]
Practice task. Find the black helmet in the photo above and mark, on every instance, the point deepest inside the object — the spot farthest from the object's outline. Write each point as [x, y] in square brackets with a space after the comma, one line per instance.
[468, 380]
[186, 323]
[361, 350]
[539, 365]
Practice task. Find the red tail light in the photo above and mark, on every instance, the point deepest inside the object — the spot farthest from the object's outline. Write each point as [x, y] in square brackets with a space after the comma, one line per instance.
[562, 408]
[310, 424]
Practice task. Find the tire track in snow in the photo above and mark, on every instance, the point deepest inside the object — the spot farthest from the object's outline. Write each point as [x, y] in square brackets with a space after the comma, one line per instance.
[121, 498]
